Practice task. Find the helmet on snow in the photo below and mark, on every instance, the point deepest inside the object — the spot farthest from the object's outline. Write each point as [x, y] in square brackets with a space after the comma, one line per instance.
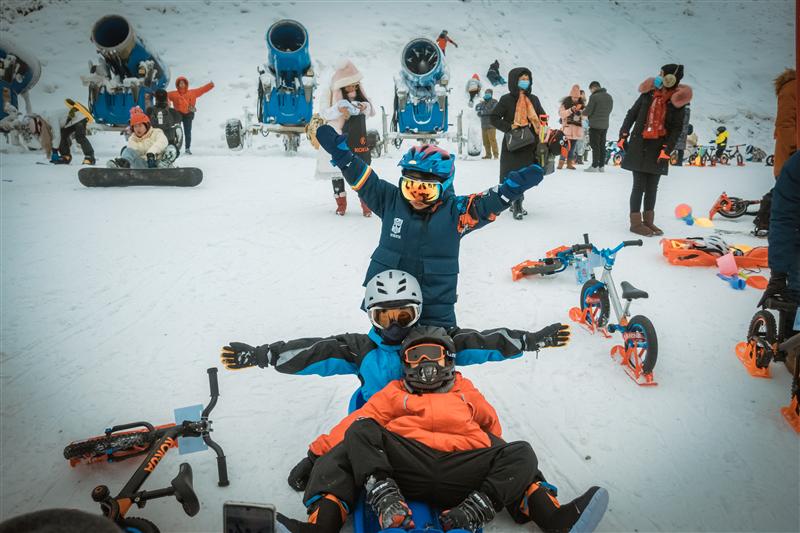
[428, 359]
[393, 299]
[712, 244]
[430, 159]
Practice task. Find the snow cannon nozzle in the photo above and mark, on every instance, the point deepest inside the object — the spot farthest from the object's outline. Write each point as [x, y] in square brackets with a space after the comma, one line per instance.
[423, 62]
[113, 35]
[287, 41]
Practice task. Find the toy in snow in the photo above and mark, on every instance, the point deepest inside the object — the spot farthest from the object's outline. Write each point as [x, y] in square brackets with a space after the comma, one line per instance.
[704, 251]
[754, 154]
[732, 207]
[126, 75]
[285, 90]
[555, 261]
[19, 72]
[420, 109]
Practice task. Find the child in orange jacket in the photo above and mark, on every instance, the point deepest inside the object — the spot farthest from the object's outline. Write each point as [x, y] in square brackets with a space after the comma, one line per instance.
[433, 436]
[183, 99]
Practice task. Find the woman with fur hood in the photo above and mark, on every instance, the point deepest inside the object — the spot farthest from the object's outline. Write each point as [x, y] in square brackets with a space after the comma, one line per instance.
[658, 118]
[345, 106]
[785, 119]
[572, 107]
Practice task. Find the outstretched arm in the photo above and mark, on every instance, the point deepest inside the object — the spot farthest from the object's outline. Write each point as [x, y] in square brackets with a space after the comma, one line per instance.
[200, 91]
[475, 347]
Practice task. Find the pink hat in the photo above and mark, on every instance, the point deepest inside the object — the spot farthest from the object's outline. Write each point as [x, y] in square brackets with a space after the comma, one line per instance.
[346, 74]
[575, 92]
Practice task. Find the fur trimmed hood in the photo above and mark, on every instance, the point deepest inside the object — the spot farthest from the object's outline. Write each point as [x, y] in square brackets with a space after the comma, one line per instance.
[785, 77]
[681, 97]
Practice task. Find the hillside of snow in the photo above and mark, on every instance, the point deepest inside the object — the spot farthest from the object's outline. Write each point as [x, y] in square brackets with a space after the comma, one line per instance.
[114, 302]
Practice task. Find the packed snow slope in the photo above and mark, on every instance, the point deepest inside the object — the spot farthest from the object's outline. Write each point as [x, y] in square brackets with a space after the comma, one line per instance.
[114, 302]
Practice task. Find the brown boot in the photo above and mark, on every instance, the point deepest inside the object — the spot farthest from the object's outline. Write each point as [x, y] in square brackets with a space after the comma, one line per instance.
[365, 210]
[341, 205]
[638, 227]
[647, 218]
[571, 164]
[560, 164]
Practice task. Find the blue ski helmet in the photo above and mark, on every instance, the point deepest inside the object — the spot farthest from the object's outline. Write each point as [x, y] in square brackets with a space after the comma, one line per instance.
[430, 159]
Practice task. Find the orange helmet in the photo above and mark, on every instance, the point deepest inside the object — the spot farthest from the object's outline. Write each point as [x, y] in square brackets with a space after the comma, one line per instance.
[138, 116]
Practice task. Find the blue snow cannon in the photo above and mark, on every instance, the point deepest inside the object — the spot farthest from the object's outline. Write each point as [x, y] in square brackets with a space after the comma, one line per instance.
[127, 74]
[19, 72]
[420, 102]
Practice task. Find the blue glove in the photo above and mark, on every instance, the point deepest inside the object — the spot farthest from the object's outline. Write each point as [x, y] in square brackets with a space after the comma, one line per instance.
[151, 161]
[519, 181]
[55, 157]
[334, 144]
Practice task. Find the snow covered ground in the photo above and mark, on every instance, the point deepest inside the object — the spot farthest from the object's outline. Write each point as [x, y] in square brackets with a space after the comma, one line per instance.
[114, 302]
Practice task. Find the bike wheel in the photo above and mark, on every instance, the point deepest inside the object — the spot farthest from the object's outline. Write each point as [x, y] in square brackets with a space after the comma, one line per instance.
[724, 159]
[770, 161]
[761, 335]
[137, 525]
[673, 158]
[114, 447]
[617, 160]
[739, 160]
[735, 208]
[641, 335]
[596, 298]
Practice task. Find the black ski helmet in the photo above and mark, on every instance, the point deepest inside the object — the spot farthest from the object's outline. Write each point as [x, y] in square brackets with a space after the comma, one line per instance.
[429, 375]
[720, 129]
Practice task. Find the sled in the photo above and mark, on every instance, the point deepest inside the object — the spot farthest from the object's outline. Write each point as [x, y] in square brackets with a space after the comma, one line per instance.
[128, 177]
[683, 252]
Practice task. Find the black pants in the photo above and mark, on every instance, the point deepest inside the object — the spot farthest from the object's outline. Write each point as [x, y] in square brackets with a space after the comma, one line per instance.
[720, 150]
[503, 471]
[680, 158]
[597, 142]
[646, 185]
[79, 130]
[187, 128]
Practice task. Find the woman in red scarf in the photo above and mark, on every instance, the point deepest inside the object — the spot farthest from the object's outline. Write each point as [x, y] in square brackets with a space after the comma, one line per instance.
[658, 117]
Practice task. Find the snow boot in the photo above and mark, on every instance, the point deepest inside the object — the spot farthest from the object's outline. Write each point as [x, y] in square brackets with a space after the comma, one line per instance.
[341, 205]
[473, 513]
[89, 160]
[187, 152]
[366, 211]
[602, 169]
[648, 217]
[119, 162]
[560, 164]
[387, 502]
[638, 227]
[571, 164]
[325, 514]
[65, 159]
[581, 515]
[516, 209]
[591, 169]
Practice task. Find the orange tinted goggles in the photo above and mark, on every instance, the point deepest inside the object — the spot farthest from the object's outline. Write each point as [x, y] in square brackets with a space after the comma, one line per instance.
[424, 352]
[418, 190]
[403, 316]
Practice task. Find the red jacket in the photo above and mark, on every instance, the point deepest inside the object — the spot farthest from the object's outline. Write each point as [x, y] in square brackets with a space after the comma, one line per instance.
[458, 420]
[183, 100]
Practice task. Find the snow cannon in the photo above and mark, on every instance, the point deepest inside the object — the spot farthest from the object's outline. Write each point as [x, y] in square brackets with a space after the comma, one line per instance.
[19, 72]
[285, 89]
[420, 102]
[127, 74]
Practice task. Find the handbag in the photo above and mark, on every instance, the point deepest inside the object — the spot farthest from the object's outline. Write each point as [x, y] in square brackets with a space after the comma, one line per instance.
[519, 138]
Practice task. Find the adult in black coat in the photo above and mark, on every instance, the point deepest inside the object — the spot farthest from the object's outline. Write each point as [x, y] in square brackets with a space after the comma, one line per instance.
[503, 118]
[647, 153]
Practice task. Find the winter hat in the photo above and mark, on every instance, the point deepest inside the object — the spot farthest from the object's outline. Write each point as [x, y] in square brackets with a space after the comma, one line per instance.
[575, 92]
[476, 77]
[488, 91]
[138, 116]
[346, 74]
[673, 74]
[180, 79]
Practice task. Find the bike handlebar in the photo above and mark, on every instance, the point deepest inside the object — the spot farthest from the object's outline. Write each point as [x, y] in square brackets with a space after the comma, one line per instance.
[214, 386]
[637, 242]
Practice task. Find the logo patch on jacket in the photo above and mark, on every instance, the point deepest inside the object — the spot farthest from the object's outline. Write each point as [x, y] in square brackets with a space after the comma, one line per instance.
[396, 227]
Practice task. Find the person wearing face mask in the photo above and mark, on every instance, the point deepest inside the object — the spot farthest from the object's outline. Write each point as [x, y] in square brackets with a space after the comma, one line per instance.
[484, 110]
[656, 119]
[346, 107]
[519, 109]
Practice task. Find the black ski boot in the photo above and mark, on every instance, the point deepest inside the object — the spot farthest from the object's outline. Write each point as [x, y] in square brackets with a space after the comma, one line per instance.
[387, 502]
[581, 515]
[472, 514]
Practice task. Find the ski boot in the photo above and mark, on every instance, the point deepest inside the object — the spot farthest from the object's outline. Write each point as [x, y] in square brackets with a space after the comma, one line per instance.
[582, 514]
[168, 157]
[89, 160]
[387, 502]
[119, 162]
[473, 513]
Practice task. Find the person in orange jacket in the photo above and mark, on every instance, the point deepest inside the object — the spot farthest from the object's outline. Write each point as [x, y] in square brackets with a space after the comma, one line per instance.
[183, 99]
[443, 39]
[432, 436]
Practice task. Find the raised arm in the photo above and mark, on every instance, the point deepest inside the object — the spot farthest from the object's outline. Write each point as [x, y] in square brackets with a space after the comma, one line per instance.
[475, 347]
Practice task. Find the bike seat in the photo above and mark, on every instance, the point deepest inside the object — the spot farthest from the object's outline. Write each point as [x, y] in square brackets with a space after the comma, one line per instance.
[184, 492]
[629, 292]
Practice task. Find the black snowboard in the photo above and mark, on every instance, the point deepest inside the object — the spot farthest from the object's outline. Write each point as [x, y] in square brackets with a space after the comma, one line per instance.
[126, 177]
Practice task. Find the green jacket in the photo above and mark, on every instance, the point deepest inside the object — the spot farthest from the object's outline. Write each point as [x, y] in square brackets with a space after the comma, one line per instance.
[599, 108]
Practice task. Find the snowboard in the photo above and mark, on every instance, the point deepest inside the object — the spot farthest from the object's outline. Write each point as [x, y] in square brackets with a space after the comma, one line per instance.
[126, 177]
[474, 134]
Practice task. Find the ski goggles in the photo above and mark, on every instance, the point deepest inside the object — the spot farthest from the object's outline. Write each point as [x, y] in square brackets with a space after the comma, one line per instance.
[419, 190]
[382, 317]
[425, 352]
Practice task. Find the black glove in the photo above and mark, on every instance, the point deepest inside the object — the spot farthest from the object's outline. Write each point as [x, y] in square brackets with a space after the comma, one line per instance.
[775, 287]
[334, 144]
[554, 335]
[298, 477]
[239, 355]
[151, 160]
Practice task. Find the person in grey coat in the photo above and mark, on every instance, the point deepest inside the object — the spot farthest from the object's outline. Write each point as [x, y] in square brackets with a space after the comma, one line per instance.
[680, 145]
[598, 111]
[484, 110]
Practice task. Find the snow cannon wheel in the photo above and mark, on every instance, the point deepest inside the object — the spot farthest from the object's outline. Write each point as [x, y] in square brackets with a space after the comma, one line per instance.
[291, 142]
[233, 134]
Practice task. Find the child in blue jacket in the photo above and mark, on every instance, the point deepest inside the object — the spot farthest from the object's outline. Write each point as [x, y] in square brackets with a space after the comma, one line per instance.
[394, 304]
[423, 220]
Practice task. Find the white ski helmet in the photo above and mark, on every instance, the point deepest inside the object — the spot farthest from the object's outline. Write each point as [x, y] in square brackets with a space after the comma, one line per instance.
[393, 288]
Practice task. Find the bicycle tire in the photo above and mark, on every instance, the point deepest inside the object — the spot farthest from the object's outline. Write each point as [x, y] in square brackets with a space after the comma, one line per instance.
[601, 301]
[641, 324]
[101, 446]
[762, 328]
[724, 159]
[617, 160]
[134, 524]
[770, 161]
[738, 208]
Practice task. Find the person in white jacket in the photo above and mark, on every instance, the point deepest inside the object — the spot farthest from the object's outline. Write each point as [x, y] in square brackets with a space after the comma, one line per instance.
[147, 146]
[63, 124]
[345, 106]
